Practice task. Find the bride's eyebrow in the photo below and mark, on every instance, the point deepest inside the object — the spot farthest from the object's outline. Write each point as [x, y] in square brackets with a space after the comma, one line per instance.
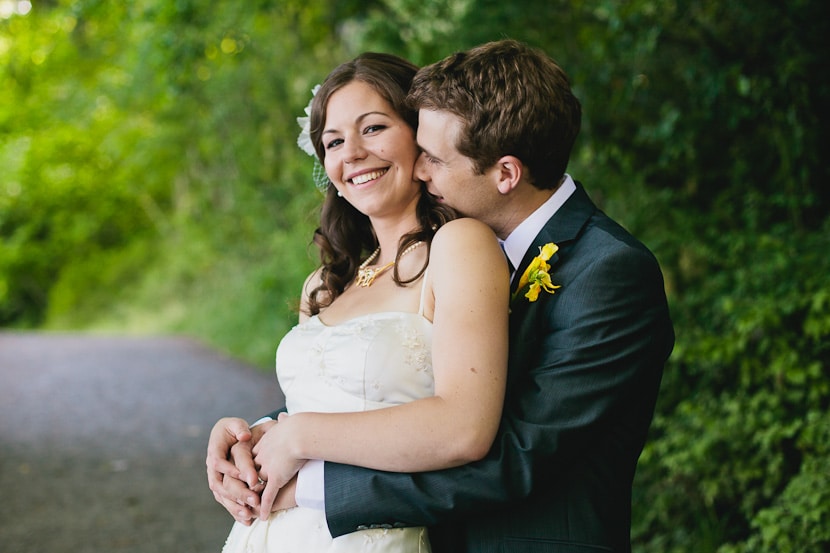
[360, 119]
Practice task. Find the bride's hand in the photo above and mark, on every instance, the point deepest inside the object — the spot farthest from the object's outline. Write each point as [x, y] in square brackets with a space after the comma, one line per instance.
[278, 462]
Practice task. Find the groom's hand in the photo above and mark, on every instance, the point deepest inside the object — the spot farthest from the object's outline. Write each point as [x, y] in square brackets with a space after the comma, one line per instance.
[232, 476]
[241, 502]
[286, 497]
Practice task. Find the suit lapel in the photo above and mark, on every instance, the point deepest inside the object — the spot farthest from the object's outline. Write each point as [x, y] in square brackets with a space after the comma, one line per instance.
[562, 228]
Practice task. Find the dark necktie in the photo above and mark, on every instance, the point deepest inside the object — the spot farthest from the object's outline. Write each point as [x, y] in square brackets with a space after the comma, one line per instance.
[509, 263]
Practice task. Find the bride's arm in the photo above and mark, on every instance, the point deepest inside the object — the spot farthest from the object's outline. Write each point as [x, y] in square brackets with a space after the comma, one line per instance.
[456, 426]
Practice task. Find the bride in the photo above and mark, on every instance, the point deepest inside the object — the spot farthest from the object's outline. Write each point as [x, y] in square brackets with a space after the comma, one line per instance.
[398, 362]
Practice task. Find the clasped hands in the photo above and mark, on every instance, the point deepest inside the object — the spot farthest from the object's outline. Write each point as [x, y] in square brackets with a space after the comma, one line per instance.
[251, 471]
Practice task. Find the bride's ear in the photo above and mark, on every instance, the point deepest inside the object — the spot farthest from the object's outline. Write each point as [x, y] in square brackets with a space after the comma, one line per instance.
[510, 170]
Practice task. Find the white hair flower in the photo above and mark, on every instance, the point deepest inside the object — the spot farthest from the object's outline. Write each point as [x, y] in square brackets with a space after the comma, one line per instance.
[304, 139]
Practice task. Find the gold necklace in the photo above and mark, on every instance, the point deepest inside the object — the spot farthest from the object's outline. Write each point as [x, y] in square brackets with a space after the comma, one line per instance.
[366, 276]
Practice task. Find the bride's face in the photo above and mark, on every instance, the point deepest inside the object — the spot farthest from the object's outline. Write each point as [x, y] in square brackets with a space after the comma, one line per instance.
[370, 152]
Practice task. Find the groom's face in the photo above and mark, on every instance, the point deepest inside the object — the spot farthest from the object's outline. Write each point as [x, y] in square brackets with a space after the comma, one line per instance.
[448, 174]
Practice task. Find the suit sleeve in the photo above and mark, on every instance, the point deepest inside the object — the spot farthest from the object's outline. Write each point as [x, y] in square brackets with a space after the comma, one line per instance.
[581, 363]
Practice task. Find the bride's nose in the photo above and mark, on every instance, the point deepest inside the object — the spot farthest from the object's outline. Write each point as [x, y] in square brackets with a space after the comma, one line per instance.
[353, 150]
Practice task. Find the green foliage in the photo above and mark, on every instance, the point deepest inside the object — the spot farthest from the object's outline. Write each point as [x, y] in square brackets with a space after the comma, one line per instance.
[150, 182]
[139, 128]
[743, 410]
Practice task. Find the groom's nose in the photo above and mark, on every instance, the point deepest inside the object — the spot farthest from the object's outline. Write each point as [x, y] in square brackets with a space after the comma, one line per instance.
[420, 170]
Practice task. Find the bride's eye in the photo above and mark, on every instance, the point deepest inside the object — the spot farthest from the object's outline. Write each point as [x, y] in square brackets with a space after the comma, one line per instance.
[373, 129]
[331, 144]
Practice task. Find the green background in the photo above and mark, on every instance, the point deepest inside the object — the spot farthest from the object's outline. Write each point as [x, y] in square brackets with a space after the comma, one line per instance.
[150, 183]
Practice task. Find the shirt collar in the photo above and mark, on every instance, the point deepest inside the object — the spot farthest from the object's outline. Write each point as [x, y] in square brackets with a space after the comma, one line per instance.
[519, 241]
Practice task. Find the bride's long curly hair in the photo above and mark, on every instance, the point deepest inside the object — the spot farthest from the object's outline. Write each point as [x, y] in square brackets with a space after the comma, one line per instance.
[345, 235]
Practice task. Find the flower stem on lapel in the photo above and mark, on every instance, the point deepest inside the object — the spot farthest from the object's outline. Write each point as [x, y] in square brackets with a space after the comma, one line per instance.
[536, 277]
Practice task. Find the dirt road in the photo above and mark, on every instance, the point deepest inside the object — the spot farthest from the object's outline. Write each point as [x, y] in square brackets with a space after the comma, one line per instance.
[102, 442]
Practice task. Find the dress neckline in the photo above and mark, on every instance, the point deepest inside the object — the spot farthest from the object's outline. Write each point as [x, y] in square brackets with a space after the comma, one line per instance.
[419, 314]
[376, 314]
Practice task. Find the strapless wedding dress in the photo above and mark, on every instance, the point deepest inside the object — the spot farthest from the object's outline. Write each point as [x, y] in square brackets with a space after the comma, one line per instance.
[369, 362]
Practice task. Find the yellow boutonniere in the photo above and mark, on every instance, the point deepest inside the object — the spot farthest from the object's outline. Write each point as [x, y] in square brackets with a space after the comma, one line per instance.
[536, 278]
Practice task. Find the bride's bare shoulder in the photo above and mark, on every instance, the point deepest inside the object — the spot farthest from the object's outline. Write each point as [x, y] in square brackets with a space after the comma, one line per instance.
[465, 233]
[312, 282]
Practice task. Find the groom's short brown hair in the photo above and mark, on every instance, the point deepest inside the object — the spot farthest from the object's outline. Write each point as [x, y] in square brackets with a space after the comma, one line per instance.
[512, 100]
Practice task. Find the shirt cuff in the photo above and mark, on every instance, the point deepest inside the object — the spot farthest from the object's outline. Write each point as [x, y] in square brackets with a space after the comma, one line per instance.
[260, 421]
[311, 485]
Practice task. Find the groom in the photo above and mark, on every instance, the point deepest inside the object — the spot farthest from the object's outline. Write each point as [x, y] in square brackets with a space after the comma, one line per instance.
[496, 127]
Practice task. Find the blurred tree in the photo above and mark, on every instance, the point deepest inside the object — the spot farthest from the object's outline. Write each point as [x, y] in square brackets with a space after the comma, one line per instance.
[145, 121]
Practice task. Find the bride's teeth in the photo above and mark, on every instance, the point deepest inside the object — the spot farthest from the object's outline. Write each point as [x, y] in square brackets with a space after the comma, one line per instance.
[360, 179]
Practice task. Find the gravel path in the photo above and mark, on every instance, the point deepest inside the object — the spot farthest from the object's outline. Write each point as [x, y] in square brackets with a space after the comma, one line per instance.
[102, 441]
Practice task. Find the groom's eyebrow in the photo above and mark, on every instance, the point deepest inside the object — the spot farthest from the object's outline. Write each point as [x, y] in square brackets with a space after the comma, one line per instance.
[427, 152]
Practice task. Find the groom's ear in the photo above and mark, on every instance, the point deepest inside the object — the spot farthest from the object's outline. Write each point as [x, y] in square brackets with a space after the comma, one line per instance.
[509, 173]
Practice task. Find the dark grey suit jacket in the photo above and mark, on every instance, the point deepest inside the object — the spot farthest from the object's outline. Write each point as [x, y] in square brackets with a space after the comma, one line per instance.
[584, 369]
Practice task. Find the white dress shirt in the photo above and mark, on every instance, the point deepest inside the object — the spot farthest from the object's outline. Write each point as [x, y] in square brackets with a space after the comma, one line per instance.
[519, 241]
